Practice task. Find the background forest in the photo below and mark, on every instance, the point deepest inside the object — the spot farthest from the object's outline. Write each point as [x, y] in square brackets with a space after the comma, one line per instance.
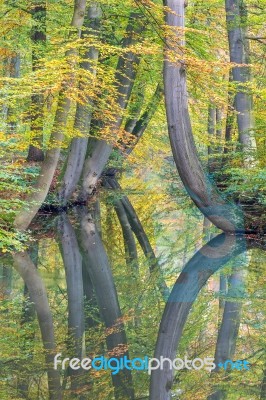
[132, 207]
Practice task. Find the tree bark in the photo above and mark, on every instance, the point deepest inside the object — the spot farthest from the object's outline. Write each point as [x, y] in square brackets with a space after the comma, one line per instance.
[28, 315]
[228, 332]
[129, 240]
[142, 123]
[38, 38]
[13, 71]
[222, 290]
[41, 188]
[78, 147]
[101, 277]
[73, 268]
[135, 107]
[224, 215]
[125, 76]
[211, 137]
[38, 296]
[5, 281]
[236, 13]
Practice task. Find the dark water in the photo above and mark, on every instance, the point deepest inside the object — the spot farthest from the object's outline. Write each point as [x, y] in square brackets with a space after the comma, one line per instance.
[76, 294]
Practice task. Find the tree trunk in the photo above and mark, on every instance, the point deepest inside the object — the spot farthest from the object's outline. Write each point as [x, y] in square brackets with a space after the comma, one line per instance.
[28, 315]
[41, 188]
[129, 240]
[38, 296]
[143, 240]
[212, 137]
[13, 66]
[135, 107]
[125, 76]
[224, 215]
[238, 45]
[101, 277]
[38, 38]
[142, 123]
[78, 147]
[222, 290]
[228, 332]
[73, 268]
[5, 281]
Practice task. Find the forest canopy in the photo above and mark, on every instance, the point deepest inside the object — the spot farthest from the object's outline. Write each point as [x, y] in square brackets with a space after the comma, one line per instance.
[80, 83]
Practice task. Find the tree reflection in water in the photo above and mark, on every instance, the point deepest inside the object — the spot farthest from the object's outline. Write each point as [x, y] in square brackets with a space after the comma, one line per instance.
[91, 285]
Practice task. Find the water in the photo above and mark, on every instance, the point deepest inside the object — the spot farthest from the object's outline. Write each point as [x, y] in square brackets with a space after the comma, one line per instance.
[75, 293]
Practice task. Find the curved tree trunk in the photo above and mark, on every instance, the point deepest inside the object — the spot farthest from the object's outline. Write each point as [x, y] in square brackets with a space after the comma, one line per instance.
[194, 276]
[38, 296]
[41, 188]
[225, 216]
[78, 147]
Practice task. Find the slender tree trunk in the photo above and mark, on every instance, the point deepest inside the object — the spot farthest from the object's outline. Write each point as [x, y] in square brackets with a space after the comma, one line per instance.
[230, 117]
[222, 290]
[41, 188]
[212, 138]
[224, 215]
[38, 38]
[142, 123]
[90, 303]
[6, 281]
[38, 296]
[219, 131]
[125, 76]
[236, 14]
[73, 268]
[228, 332]
[143, 240]
[136, 107]
[78, 147]
[100, 273]
[129, 240]
[13, 66]
[27, 317]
